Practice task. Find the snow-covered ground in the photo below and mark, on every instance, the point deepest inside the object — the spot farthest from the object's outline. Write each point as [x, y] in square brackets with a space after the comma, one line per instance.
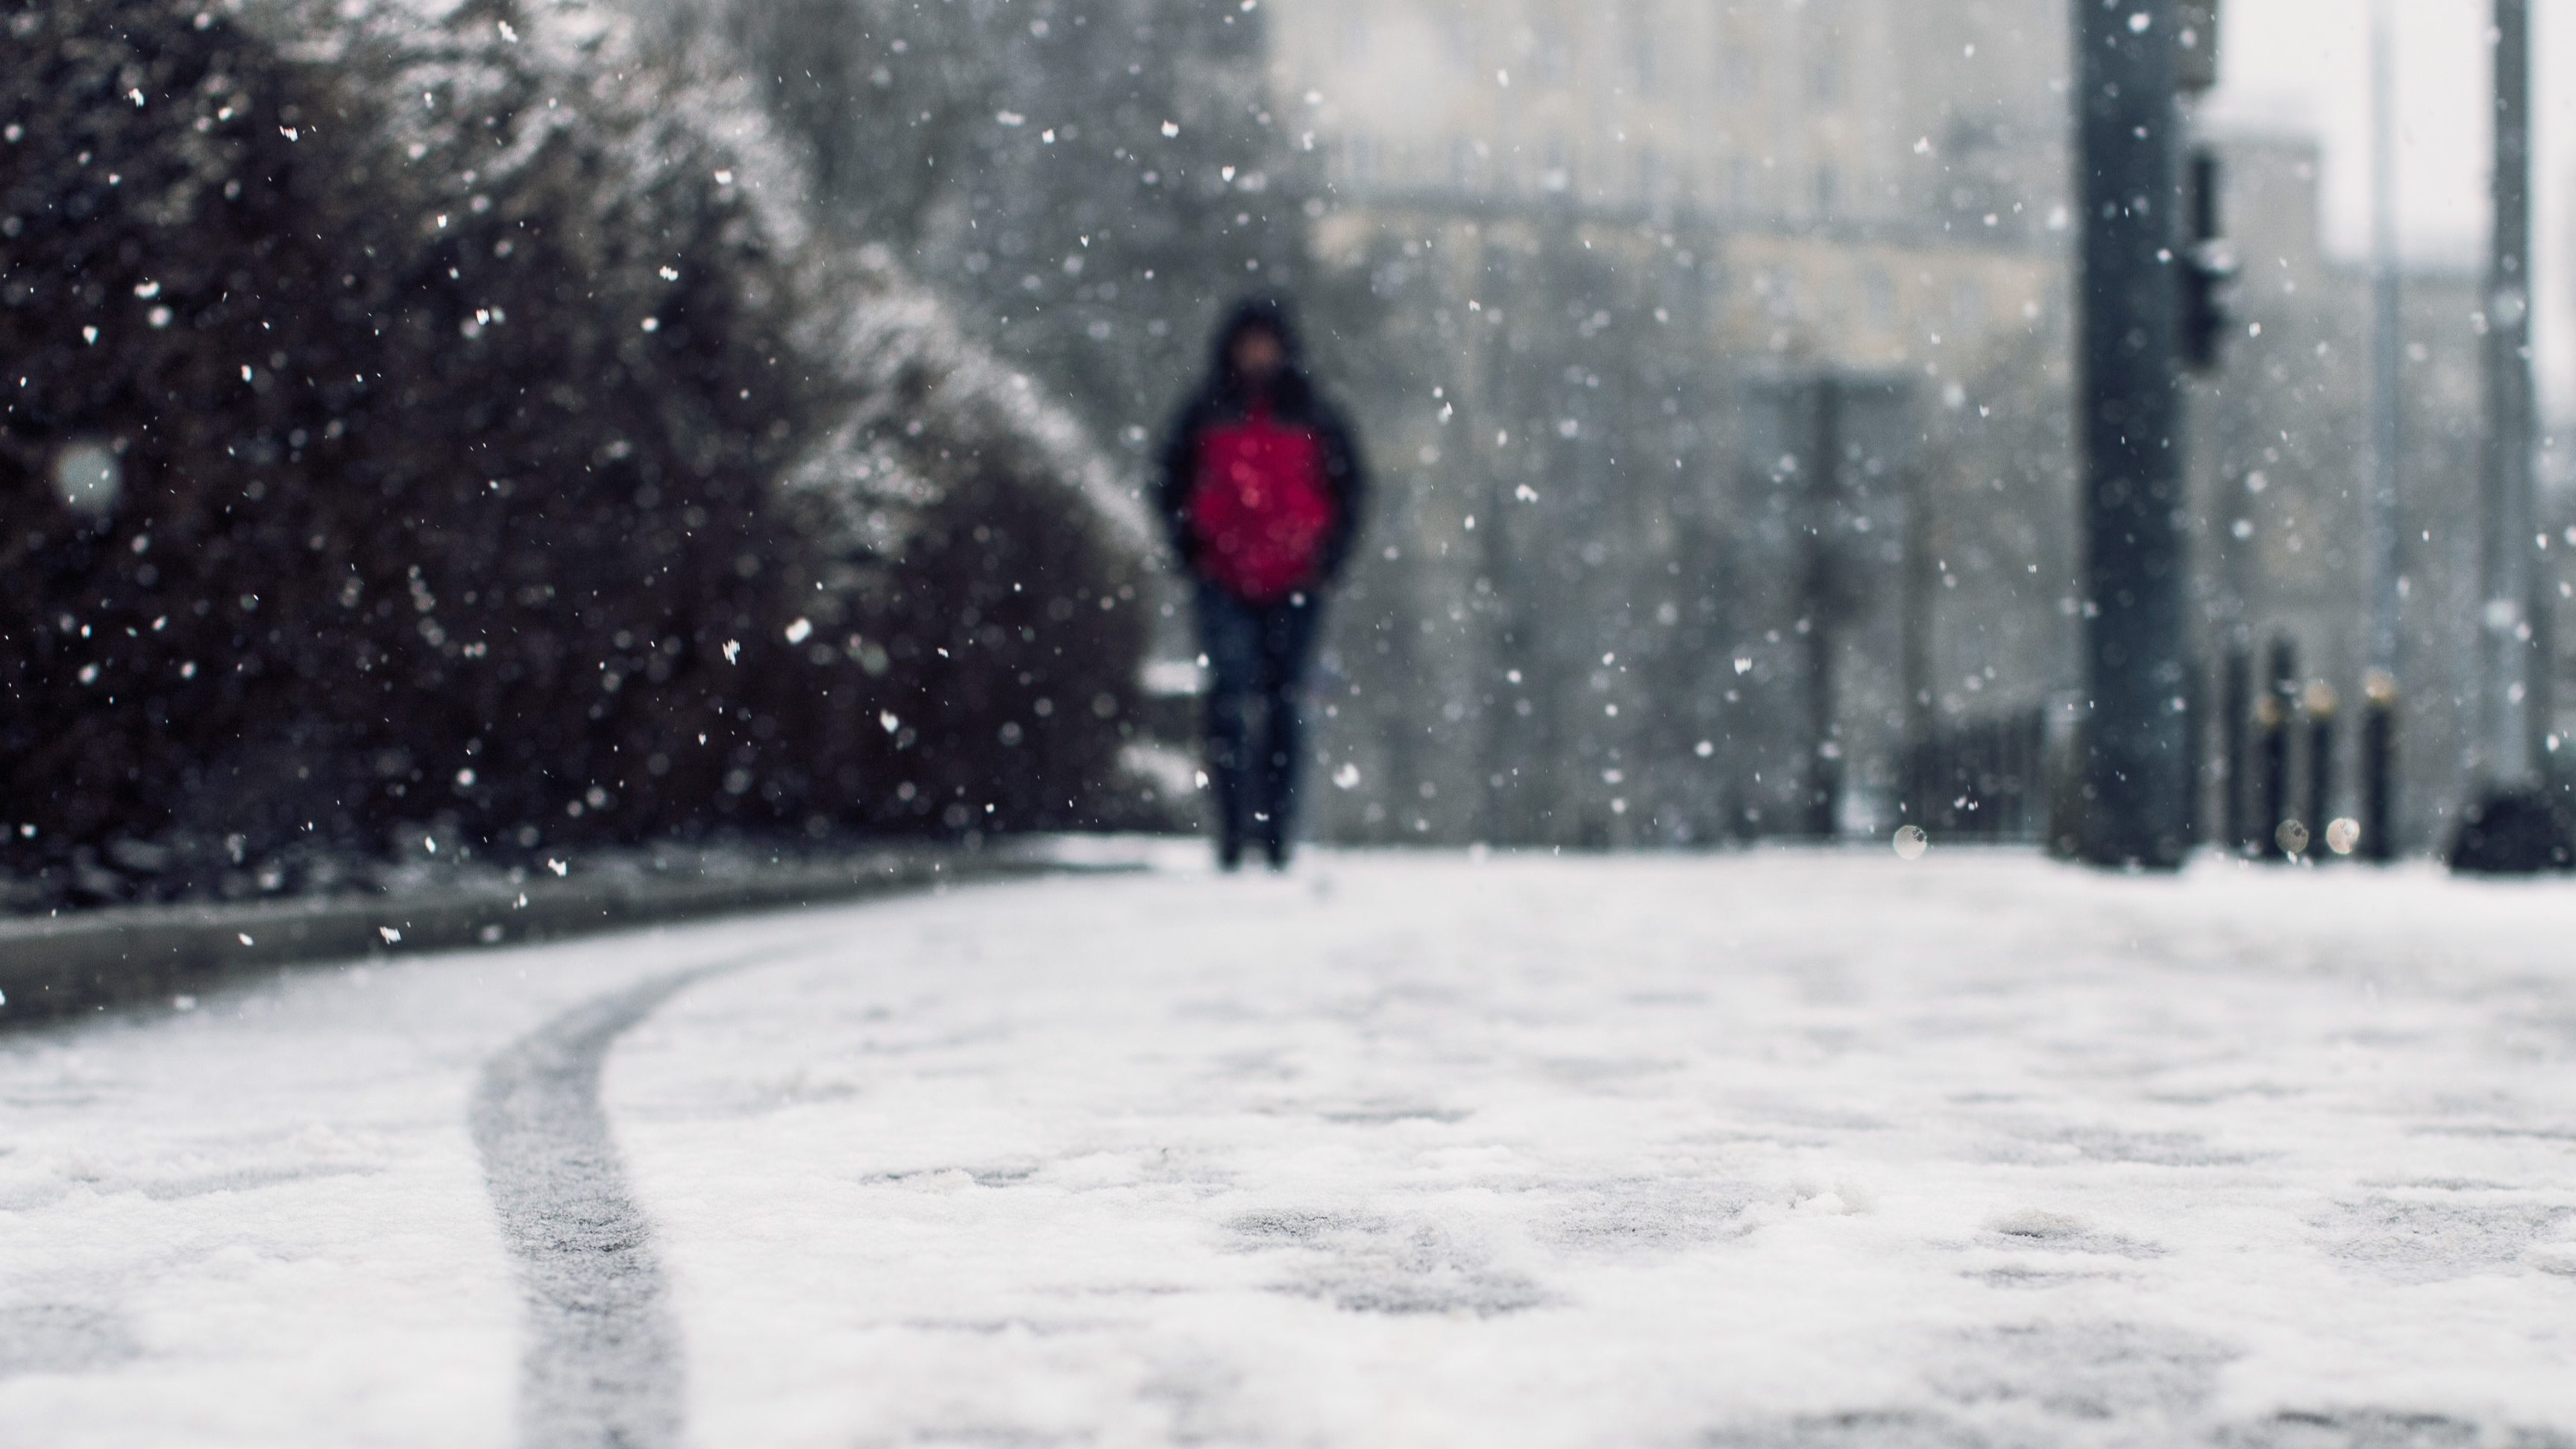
[1782, 1148]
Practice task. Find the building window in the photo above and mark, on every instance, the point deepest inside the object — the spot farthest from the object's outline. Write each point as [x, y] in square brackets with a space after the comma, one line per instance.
[1462, 45]
[1741, 183]
[1828, 189]
[1778, 288]
[1555, 59]
[1361, 160]
[1881, 291]
[1740, 62]
[1968, 306]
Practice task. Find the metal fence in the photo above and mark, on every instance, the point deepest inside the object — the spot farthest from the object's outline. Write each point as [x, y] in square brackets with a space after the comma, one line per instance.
[1982, 780]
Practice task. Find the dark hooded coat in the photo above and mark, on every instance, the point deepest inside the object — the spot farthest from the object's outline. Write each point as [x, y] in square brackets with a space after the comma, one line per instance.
[1293, 402]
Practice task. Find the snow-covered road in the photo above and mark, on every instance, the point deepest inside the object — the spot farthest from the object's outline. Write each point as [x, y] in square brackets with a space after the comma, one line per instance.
[1779, 1148]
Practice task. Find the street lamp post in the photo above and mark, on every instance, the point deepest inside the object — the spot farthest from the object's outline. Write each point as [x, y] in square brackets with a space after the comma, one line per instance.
[2507, 760]
[2511, 824]
[2379, 726]
[1821, 589]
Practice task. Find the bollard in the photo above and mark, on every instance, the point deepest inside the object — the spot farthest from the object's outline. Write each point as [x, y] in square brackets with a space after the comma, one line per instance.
[2272, 771]
[2321, 702]
[2378, 766]
[2236, 715]
[2272, 723]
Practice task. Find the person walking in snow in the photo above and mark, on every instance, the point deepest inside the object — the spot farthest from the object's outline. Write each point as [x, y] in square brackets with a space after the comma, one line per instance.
[1261, 490]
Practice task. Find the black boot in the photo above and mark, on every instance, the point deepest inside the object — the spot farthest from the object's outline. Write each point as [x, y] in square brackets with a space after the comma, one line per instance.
[1230, 777]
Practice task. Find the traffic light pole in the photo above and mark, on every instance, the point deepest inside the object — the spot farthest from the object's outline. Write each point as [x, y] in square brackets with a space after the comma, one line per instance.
[2136, 768]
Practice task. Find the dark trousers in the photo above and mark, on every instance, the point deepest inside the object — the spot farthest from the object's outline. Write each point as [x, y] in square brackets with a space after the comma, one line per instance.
[1257, 656]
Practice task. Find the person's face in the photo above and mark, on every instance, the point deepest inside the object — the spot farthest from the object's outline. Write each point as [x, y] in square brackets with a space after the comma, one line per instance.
[1257, 354]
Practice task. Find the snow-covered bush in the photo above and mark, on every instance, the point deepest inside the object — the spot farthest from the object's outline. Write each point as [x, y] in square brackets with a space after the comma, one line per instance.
[450, 360]
[996, 562]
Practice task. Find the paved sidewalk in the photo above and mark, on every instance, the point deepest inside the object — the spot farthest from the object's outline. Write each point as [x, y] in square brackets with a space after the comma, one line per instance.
[1784, 1148]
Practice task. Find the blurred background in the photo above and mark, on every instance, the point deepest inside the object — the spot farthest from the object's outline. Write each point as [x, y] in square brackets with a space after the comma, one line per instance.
[526, 425]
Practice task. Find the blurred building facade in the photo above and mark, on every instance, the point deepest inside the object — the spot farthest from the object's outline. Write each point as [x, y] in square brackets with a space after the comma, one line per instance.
[1722, 403]
[1720, 406]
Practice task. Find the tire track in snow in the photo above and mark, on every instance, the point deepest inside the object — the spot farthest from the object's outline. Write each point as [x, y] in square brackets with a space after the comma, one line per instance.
[602, 1364]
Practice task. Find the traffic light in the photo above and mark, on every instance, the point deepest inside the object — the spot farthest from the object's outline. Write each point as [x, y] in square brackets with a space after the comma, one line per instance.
[2208, 270]
[2196, 46]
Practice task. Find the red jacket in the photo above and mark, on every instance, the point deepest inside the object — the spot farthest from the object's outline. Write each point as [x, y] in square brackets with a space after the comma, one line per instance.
[1261, 496]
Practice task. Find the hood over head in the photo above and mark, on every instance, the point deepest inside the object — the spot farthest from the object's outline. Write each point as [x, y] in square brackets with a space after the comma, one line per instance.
[1269, 314]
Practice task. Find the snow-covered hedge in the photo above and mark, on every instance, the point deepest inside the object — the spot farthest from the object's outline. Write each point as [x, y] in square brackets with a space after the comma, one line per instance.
[453, 364]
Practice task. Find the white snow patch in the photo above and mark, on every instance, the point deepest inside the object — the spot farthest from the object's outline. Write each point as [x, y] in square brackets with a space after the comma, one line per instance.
[1557, 1152]
[1758, 1148]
